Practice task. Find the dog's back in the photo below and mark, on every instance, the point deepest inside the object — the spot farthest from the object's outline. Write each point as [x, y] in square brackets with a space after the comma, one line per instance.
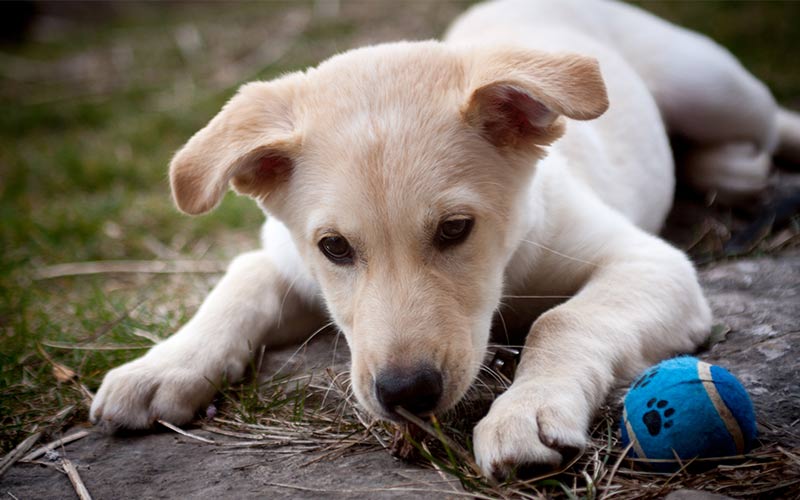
[703, 93]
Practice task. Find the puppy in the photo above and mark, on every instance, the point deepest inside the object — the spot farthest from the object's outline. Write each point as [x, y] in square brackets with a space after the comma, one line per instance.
[413, 187]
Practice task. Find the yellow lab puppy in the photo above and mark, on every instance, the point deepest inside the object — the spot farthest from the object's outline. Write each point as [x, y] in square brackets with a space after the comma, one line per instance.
[411, 185]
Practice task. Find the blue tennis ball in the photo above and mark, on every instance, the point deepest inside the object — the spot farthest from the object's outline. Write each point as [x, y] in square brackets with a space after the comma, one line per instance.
[689, 408]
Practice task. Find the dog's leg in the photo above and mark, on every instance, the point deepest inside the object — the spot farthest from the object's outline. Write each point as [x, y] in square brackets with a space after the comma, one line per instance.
[729, 117]
[252, 306]
[707, 98]
[641, 303]
[734, 170]
[789, 133]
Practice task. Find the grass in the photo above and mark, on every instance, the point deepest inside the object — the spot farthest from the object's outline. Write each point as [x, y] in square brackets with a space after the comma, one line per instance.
[94, 106]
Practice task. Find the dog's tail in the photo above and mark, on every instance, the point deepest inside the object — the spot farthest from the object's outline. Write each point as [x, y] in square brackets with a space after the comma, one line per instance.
[788, 136]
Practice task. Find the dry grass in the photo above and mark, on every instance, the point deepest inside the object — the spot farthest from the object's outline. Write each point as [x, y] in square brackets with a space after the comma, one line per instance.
[315, 415]
[711, 232]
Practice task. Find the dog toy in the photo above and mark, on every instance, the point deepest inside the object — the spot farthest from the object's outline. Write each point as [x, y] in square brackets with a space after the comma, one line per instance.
[687, 408]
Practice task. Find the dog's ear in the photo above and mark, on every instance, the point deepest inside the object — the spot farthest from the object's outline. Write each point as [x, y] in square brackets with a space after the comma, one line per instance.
[516, 96]
[249, 144]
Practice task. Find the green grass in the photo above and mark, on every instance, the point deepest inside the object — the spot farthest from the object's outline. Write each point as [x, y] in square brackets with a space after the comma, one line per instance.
[84, 178]
[93, 111]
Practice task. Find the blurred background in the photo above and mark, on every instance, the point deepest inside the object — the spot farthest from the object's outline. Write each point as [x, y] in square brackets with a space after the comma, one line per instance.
[94, 99]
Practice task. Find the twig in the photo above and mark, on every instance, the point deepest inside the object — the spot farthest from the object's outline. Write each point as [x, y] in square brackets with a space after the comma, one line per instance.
[53, 445]
[789, 454]
[88, 396]
[184, 433]
[155, 339]
[615, 468]
[62, 413]
[129, 266]
[104, 329]
[463, 454]
[14, 455]
[93, 347]
[61, 372]
[410, 489]
[225, 432]
[772, 487]
[439, 469]
[75, 479]
[159, 249]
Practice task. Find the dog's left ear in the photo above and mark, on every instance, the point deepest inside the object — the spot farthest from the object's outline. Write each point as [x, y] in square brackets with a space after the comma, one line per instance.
[516, 96]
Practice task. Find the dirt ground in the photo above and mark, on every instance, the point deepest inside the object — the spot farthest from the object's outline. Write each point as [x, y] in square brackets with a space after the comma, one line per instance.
[757, 298]
[165, 465]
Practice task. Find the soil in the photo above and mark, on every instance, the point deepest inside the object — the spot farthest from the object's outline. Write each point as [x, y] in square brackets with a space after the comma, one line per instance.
[759, 300]
[165, 465]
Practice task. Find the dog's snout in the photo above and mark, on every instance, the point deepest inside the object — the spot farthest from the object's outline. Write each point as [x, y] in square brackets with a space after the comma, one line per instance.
[416, 390]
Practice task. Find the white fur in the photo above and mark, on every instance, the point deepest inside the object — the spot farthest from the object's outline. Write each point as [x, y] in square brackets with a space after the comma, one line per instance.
[581, 225]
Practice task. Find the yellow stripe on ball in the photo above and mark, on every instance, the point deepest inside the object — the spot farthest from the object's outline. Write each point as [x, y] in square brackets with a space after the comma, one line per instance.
[632, 435]
[704, 374]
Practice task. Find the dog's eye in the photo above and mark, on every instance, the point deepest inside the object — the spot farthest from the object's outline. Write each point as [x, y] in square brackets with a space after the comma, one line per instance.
[336, 249]
[453, 231]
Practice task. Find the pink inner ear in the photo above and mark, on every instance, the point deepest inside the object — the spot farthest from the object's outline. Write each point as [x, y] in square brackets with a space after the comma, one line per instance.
[511, 116]
[273, 165]
[523, 111]
[259, 175]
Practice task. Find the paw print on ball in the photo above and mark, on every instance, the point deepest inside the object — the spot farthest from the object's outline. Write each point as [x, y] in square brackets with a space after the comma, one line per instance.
[658, 417]
[645, 379]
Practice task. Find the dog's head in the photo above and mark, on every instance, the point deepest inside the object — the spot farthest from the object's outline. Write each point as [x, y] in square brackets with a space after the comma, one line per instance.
[400, 171]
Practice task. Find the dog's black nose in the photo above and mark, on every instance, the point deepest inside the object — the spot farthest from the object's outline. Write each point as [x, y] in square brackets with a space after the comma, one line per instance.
[416, 390]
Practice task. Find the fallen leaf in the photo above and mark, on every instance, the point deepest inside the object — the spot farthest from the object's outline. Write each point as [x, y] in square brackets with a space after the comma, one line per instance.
[63, 373]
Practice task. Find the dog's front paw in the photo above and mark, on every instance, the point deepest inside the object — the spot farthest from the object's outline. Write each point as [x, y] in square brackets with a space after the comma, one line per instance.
[135, 395]
[529, 431]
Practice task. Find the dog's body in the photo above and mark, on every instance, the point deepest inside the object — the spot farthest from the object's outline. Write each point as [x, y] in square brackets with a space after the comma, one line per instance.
[410, 194]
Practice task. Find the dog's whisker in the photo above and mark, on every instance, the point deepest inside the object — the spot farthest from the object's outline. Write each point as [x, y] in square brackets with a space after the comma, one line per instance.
[538, 296]
[494, 375]
[505, 327]
[480, 382]
[301, 347]
[502, 304]
[556, 252]
[524, 348]
[283, 301]
[331, 386]
[335, 346]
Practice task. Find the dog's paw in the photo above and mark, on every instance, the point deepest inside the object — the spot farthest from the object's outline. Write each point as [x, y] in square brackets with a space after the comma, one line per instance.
[135, 395]
[529, 432]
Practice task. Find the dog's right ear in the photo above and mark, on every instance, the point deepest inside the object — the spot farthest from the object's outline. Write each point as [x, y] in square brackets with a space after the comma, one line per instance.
[249, 144]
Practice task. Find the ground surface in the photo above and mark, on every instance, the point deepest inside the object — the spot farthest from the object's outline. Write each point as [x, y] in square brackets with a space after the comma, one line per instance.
[757, 298]
[167, 466]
